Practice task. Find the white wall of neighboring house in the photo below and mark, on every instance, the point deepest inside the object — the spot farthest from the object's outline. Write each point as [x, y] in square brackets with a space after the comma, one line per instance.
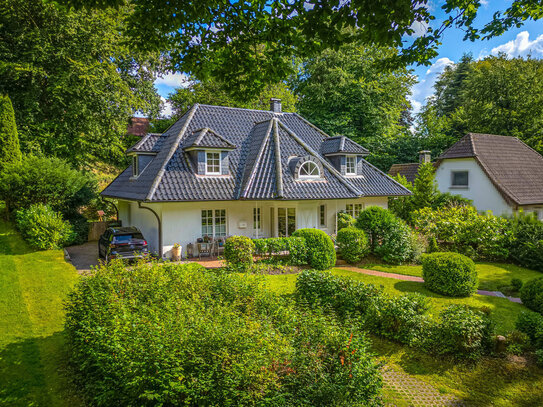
[182, 221]
[480, 189]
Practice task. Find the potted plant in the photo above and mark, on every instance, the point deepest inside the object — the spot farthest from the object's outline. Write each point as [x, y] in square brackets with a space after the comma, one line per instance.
[176, 252]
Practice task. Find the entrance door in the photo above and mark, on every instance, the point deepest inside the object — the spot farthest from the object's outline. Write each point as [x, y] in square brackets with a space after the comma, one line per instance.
[286, 221]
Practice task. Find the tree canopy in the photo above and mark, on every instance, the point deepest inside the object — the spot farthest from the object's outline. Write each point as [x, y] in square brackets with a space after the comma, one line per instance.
[249, 44]
[73, 79]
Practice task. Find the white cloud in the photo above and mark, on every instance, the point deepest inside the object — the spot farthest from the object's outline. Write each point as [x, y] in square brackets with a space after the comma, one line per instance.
[521, 46]
[167, 108]
[424, 87]
[175, 80]
[420, 28]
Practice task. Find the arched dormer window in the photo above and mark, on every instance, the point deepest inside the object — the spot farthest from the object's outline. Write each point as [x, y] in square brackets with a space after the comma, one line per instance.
[309, 170]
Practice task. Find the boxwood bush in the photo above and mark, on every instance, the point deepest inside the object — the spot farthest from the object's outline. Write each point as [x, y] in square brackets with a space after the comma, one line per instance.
[352, 244]
[531, 294]
[450, 274]
[43, 228]
[274, 248]
[179, 335]
[376, 222]
[239, 252]
[321, 254]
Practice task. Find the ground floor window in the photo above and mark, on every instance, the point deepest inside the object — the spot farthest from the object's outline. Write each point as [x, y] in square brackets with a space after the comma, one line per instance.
[354, 209]
[214, 222]
[322, 215]
[256, 218]
[286, 221]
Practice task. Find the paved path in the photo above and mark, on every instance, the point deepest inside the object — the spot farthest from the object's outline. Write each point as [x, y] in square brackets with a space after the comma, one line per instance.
[419, 280]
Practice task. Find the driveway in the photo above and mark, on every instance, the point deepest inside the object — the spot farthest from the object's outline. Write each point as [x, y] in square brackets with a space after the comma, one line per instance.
[83, 257]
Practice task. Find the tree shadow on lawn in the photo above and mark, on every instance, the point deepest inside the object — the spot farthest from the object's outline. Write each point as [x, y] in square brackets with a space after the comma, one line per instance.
[11, 242]
[35, 372]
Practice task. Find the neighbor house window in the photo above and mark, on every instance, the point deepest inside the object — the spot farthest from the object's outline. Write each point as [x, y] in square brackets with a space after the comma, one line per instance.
[256, 218]
[309, 170]
[214, 222]
[350, 165]
[459, 179]
[322, 215]
[135, 169]
[354, 209]
[213, 163]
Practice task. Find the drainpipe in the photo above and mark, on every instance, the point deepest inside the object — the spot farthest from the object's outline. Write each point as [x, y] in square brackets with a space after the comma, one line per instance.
[159, 227]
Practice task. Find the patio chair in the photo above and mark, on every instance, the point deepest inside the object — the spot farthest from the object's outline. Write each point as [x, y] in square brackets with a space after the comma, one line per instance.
[205, 248]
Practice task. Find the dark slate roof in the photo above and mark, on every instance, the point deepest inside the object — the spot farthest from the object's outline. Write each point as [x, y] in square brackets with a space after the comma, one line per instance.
[264, 143]
[341, 145]
[207, 138]
[150, 143]
[515, 169]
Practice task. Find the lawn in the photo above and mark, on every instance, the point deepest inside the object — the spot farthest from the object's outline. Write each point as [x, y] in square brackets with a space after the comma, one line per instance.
[504, 312]
[492, 276]
[33, 286]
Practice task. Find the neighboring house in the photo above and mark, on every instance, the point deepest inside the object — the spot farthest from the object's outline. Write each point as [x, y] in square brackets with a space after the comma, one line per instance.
[497, 173]
[410, 170]
[139, 126]
[221, 171]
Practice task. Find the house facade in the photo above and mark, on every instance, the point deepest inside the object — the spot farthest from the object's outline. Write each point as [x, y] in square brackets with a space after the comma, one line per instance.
[221, 171]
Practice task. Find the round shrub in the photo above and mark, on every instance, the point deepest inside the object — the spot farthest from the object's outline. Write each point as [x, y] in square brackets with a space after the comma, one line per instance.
[321, 254]
[297, 251]
[398, 243]
[375, 221]
[531, 294]
[43, 228]
[450, 274]
[352, 243]
[238, 252]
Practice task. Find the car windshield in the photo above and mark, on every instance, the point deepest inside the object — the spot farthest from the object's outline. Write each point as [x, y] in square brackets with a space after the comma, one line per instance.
[127, 238]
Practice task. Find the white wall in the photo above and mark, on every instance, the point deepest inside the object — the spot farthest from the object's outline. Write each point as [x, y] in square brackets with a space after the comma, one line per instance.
[181, 221]
[480, 190]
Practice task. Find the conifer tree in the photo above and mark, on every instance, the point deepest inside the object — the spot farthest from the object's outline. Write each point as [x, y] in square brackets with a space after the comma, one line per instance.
[9, 139]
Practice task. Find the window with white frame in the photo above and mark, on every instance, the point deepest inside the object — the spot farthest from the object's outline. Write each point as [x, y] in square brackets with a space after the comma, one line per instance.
[350, 165]
[309, 170]
[213, 163]
[214, 222]
[354, 209]
[322, 215]
[256, 218]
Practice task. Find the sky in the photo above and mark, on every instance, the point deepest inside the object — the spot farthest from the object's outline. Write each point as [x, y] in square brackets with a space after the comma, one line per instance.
[522, 41]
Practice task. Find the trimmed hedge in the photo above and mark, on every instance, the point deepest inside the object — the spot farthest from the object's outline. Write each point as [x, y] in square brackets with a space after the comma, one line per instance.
[450, 274]
[459, 331]
[180, 335]
[239, 252]
[274, 247]
[531, 294]
[321, 254]
[352, 244]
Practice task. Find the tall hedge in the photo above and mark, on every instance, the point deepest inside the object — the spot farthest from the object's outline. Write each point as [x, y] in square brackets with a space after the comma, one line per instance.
[321, 254]
[10, 151]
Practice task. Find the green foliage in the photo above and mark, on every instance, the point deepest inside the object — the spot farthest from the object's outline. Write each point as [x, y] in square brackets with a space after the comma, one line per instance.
[516, 283]
[274, 247]
[531, 323]
[526, 242]
[402, 206]
[462, 229]
[457, 331]
[375, 221]
[74, 79]
[531, 294]
[46, 180]
[425, 191]
[239, 252]
[178, 334]
[9, 139]
[352, 243]
[450, 274]
[344, 220]
[43, 228]
[321, 254]
[432, 245]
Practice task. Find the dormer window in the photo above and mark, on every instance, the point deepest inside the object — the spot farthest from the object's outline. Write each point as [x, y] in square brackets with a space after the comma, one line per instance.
[309, 170]
[213, 163]
[135, 166]
[350, 165]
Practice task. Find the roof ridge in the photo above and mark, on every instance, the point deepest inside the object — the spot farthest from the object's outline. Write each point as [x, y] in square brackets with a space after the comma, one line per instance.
[471, 138]
[278, 168]
[342, 143]
[203, 131]
[170, 154]
[243, 190]
[248, 109]
[324, 162]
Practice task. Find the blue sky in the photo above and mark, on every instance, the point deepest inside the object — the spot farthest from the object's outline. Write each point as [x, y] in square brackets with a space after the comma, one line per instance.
[518, 41]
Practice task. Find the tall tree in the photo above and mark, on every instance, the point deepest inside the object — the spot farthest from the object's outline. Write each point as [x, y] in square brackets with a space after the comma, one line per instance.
[347, 92]
[9, 140]
[73, 80]
[214, 92]
[247, 44]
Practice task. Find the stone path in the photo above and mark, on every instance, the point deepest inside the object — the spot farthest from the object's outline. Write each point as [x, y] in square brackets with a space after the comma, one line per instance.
[419, 280]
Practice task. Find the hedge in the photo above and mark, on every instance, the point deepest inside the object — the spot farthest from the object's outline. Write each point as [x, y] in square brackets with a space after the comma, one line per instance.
[450, 274]
[531, 294]
[352, 244]
[239, 252]
[321, 254]
[43, 228]
[275, 247]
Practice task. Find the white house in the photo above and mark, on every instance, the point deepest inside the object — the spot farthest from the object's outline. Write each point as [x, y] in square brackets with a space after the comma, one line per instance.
[497, 173]
[221, 171]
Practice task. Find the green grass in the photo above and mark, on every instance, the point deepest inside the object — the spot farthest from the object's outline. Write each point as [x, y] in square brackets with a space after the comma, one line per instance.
[504, 312]
[33, 286]
[492, 276]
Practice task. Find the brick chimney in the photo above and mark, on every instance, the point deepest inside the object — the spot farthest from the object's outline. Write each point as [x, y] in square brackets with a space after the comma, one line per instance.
[424, 156]
[275, 105]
